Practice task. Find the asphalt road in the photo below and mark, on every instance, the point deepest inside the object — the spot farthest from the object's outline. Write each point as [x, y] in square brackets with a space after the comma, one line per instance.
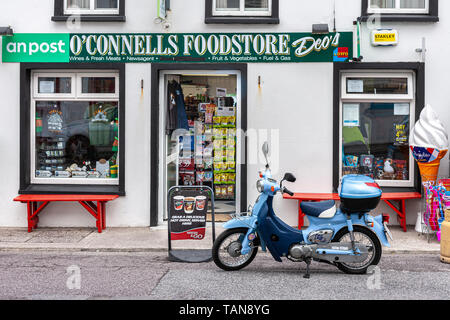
[149, 276]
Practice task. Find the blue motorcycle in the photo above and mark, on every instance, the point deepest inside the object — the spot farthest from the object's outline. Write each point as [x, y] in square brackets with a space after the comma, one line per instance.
[347, 237]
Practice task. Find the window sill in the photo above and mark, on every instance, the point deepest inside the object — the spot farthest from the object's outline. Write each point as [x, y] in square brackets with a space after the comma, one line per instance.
[403, 18]
[398, 189]
[242, 20]
[92, 18]
[71, 189]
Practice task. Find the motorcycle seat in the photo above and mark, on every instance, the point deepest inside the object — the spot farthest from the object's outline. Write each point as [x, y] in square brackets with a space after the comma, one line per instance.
[322, 209]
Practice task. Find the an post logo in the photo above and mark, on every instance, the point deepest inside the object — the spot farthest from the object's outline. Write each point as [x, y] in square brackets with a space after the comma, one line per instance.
[36, 48]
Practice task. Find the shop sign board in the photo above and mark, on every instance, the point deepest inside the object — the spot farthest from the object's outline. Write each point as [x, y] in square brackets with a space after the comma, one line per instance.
[384, 37]
[187, 214]
[178, 47]
[36, 47]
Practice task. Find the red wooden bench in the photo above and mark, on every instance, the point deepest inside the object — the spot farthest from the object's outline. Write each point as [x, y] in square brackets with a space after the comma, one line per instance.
[386, 197]
[37, 202]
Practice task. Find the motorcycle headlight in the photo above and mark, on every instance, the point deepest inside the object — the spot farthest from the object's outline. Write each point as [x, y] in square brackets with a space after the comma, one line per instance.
[260, 186]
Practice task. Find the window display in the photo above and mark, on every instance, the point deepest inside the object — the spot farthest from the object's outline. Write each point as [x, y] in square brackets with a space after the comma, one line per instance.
[76, 138]
[375, 131]
[375, 141]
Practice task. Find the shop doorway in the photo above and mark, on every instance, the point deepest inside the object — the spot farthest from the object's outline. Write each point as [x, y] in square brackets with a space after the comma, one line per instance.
[200, 116]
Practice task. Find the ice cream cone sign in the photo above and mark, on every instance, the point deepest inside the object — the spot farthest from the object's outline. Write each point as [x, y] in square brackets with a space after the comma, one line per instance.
[429, 144]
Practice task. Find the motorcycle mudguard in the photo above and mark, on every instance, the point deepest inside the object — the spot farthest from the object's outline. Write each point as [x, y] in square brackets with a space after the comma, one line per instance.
[245, 222]
[242, 222]
[378, 228]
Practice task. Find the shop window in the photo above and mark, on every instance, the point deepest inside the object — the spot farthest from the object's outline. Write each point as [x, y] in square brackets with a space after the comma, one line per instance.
[92, 85]
[75, 128]
[401, 10]
[53, 85]
[241, 11]
[377, 111]
[90, 10]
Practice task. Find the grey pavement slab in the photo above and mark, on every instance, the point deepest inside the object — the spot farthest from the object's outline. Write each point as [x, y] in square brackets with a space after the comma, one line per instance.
[14, 235]
[55, 235]
[156, 239]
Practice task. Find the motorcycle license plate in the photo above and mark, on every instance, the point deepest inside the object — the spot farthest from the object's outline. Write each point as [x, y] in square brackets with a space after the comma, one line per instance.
[387, 231]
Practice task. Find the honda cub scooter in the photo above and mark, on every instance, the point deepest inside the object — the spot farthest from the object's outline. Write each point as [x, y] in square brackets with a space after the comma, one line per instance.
[347, 237]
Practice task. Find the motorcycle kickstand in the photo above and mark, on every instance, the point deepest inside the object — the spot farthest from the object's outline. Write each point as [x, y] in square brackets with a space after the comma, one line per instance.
[307, 274]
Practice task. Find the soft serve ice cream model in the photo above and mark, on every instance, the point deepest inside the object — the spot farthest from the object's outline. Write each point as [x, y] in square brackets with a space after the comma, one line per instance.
[429, 143]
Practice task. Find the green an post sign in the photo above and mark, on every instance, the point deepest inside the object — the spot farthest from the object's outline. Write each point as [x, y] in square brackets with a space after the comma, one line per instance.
[178, 47]
[36, 47]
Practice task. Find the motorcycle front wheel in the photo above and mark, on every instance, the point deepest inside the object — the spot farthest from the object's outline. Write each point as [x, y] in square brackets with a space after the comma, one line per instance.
[226, 250]
[362, 236]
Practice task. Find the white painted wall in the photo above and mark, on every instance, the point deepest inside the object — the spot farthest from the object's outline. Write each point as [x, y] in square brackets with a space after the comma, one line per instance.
[295, 99]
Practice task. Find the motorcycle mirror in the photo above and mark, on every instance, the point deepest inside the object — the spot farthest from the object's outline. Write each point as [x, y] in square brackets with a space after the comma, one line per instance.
[289, 177]
[265, 150]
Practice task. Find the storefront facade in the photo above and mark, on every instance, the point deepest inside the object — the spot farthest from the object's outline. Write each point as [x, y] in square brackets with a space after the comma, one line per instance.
[318, 112]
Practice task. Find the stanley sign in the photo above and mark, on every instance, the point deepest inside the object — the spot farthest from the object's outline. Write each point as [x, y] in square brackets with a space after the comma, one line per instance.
[386, 37]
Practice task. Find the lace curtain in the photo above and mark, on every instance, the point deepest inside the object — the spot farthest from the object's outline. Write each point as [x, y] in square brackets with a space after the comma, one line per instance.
[403, 3]
[249, 4]
[78, 4]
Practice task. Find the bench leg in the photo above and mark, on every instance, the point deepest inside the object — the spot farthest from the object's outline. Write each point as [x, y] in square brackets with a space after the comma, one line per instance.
[32, 214]
[301, 216]
[104, 215]
[29, 214]
[35, 219]
[95, 211]
[99, 217]
[401, 214]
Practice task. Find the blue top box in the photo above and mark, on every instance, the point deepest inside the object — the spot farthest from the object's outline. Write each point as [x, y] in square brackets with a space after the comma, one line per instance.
[355, 186]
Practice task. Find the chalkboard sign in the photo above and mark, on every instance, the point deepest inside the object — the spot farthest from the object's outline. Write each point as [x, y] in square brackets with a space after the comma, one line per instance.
[188, 209]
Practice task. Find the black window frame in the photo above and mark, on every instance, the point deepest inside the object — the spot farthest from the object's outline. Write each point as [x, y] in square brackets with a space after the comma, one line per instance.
[60, 16]
[431, 16]
[26, 187]
[272, 19]
[338, 67]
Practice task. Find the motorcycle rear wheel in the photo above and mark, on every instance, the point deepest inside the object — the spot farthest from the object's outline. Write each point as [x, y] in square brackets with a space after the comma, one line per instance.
[373, 244]
[226, 250]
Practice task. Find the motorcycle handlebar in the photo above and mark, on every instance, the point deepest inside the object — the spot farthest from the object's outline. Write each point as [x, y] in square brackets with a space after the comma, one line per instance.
[288, 192]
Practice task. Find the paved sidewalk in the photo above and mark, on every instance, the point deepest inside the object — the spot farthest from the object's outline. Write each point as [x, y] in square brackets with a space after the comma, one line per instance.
[156, 239]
